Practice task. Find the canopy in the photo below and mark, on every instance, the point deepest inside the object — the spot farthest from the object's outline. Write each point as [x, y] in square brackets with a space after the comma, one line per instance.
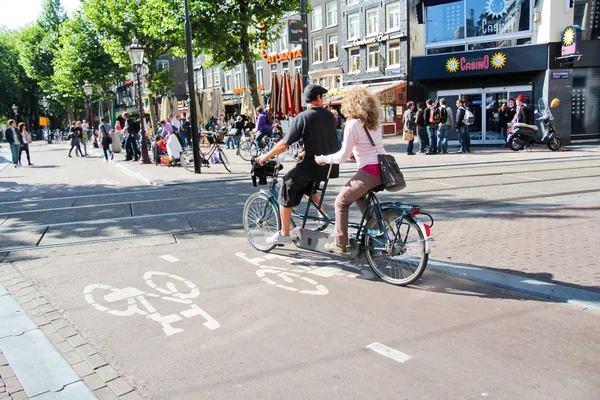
[275, 95]
[247, 108]
[218, 108]
[296, 95]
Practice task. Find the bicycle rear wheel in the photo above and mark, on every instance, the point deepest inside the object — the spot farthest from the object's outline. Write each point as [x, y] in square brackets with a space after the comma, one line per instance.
[402, 259]
[224, 160]
[261, 220]
[247, 150]
[187, 160]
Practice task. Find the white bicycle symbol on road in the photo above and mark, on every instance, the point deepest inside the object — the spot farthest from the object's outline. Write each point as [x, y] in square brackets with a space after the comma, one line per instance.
[136, 301]
[291, 277]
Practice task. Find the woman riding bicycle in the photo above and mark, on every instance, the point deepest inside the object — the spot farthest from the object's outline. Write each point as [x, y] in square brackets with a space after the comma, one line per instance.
[264, 126]
[362, 111]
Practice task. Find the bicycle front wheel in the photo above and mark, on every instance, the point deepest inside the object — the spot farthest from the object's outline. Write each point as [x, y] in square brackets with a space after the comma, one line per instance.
[401, 259]
[224, 160]
[261, 220]
[247, 150]
[187, 160]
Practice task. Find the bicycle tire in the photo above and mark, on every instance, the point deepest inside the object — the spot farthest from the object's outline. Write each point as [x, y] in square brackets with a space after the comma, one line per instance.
[261, 220]
[247, 150]
[410, 262]
[224, 160]
[187, 160]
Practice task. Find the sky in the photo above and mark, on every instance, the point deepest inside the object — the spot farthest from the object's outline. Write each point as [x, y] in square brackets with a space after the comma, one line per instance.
[16, 13]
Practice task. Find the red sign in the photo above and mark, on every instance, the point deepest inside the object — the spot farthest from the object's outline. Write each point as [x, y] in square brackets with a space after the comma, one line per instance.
[288, 55]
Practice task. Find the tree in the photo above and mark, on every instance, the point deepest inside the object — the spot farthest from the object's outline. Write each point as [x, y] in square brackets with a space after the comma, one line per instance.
[157, 24]
[229, 31]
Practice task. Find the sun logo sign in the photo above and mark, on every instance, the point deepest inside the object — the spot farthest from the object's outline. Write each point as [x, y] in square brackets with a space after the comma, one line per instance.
[568, 36]
[496, 8]
[498, 60]
[452, 65]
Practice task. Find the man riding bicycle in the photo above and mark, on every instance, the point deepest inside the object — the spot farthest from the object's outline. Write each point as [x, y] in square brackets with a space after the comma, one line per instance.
[316, 126]
[264, 127]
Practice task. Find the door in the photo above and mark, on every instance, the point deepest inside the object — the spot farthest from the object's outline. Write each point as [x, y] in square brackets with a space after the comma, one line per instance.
[473, 102]
[493, 123]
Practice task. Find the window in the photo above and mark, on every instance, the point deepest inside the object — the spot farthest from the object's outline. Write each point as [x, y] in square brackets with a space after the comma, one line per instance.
[285, 67]
[209, 77]
[283, 38]
[162, 64]
[351, 2]
[372, 21]
[353, 27]
[317, 50]
[332, 47]
[228, 86]
[445, 22]
[393, 17]
[373, 57]
[217, 76]
[273, 48]
[237, 80]
[393, 53]
[317, 18]
[273, 71]
[331, 13]
[298, 66]
[259, 76]
[354, 62]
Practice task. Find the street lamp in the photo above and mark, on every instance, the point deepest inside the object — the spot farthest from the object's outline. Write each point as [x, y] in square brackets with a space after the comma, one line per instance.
[15, 110]
[88, 89]
[136, 56]
[45, 104]
[191, 88]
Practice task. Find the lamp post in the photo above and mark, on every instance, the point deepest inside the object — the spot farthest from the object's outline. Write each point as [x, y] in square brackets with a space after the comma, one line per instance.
[136, 55]
[45, 104]
[88, 89]
[192, 90]
[15, 110]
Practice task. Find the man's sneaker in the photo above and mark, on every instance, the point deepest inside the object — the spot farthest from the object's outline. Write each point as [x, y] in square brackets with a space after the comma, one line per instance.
[279, 239]
[335, 248]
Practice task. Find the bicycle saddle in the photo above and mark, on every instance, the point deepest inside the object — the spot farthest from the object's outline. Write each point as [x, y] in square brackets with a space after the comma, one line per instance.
[378, 188]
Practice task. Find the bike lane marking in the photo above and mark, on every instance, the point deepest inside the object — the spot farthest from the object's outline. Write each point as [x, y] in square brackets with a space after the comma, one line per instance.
[169, 258]
[389, 352]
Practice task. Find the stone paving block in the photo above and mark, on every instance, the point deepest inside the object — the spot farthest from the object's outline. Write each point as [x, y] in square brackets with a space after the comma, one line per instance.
[23, 284]
[60, 323]
[73, 357]
[52, 316]
[12, 385]
[28, 290]
[48, 329]
[34, 312]
[34, 295]
[105, 394]
[6, 372]
[85, 350]
[56, 337]
[119, 386]
[39, 301]
[46, 308]
[3, 395]
[76, 341]
[28, 305]
[107, 373]
[22, 299]
[67, 332]
[64, 347]
[94, 382]
[83, 369]
[41, 320]
[96, 361]
[19, 396]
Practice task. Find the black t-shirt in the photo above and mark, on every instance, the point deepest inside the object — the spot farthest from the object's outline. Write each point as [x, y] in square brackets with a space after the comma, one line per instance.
[317, 128]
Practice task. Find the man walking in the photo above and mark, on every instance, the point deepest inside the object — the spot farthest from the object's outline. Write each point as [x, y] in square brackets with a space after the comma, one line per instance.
[12, 137]
[131, 149]
[446, 123]
[316, 126]
[462, 128]
[105, 139]
[432, 118]
[409, 124]
[421, 129]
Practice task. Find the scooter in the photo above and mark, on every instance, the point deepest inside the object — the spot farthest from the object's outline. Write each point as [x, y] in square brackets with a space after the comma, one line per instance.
[523, 136]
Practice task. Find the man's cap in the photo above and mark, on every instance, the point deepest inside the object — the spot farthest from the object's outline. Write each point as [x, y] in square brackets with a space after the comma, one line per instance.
[311, 92]
[521, 98]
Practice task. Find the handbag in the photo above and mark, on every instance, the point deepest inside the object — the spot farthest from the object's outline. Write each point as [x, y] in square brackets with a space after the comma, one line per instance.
[106, 135]
[408, 135]
[391, 176]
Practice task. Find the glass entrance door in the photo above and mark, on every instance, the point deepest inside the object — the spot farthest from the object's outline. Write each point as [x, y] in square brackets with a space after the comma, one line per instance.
[493, 120]
[473, 102]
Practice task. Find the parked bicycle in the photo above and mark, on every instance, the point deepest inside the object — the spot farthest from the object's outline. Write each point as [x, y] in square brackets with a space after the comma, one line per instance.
[395, 242]
[213, 154]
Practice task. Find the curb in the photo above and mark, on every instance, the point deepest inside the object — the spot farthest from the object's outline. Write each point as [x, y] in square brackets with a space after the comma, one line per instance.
[523, 284]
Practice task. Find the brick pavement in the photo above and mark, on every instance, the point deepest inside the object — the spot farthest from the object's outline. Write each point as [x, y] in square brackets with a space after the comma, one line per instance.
[558, 243]
[10, 387]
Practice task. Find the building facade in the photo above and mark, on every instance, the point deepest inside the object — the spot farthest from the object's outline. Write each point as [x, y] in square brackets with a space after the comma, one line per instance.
[324, 23]
[485, 52]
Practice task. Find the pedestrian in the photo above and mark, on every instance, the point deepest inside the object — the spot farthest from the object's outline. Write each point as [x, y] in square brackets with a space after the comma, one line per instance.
[106, 139]
[523, 115]
[432, 119]
[316, 126]
[24, 141]
[462, 128]
[167, 129]
[174, 148]
[83, 137]
[421, 129]
[12, 137]
[338, 128]
[264, 126]
[131, 149]
[76, 134]
[362, 136]
[446, 123]
[408, 120]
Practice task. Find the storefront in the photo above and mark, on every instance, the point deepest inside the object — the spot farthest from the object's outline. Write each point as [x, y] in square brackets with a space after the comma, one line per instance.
[484, 80]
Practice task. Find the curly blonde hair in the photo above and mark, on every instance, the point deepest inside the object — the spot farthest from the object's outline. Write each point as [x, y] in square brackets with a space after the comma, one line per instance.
[362, 105]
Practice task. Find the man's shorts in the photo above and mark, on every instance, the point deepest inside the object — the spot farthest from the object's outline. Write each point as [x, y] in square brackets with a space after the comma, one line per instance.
[296, 183]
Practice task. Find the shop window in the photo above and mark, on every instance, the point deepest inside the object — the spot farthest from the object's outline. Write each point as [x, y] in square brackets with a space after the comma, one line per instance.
[392, 12]
[388, 113]
[372, 16]
[331, 13]
[373, 57]
[354, 61]
[332, 47]
[317, 18]
[317, 50]
[353, 27]
[393, 53]
[444, 50]
[499, 43]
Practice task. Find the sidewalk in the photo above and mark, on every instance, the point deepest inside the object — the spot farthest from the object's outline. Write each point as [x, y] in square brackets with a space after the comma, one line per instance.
[165, 176]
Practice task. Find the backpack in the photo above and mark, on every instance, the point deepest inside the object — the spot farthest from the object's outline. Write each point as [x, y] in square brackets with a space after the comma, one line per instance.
[443, 115]
[434, 115]
[268, 119]
[469, 118]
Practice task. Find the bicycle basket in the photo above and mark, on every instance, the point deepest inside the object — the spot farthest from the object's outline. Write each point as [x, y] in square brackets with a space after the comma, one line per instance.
[261, 172]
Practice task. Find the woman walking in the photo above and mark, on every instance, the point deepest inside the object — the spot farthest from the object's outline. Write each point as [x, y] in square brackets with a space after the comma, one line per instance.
[76, 133]
[24, 139]
[363, 138]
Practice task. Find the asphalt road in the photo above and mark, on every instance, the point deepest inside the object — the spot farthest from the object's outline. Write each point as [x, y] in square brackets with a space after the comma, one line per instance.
[163, 284]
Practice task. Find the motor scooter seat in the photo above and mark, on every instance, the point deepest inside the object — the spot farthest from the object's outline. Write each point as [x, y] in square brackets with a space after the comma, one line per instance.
[525, 126]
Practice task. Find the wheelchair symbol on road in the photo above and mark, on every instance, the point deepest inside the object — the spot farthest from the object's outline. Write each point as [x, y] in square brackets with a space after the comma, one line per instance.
[129, 301]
